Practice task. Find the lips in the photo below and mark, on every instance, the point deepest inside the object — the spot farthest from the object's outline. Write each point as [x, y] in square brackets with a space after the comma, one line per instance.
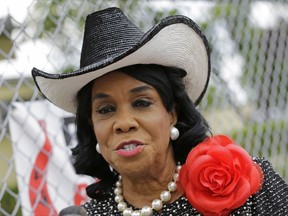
[129, 148]
[130, 145]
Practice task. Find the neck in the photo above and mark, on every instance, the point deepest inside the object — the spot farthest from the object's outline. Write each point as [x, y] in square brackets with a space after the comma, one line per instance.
[141, 191]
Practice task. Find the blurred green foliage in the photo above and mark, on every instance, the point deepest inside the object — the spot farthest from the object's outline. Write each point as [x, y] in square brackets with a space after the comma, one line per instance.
[10, 202]
[252, 131]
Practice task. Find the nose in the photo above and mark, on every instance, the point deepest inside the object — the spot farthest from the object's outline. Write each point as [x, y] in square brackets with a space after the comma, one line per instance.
[125, 122]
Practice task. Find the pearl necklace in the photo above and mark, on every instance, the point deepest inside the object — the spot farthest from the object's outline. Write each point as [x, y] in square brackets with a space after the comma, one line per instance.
[157, 204]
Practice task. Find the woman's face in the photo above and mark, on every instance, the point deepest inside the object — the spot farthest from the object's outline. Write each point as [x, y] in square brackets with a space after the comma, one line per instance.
[131, 124]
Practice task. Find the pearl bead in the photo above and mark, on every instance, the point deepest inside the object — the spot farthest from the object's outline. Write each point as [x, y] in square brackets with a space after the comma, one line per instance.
[136, 213]
[172, 186]
[127, 212]
[175, 177]
[157, 204]
[121, 206]
[118, 191]
[178, 168]
[118, 184]
[146, 211]
[118, 198]
[165, 196]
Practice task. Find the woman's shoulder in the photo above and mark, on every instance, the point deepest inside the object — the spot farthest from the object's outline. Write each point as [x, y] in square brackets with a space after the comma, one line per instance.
[272, 181]
[107, 206]
[272, 198]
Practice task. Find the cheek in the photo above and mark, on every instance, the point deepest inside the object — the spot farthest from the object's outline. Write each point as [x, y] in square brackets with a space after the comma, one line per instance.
[102, 134]
[160, 130]
[100, 131]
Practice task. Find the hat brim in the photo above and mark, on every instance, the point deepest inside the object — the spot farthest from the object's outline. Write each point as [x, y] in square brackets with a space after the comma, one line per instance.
[176, 42]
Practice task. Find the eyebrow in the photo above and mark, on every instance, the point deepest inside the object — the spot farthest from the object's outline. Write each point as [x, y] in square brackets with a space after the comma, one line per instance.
[134, 90]
[140, 89]
[100, 96]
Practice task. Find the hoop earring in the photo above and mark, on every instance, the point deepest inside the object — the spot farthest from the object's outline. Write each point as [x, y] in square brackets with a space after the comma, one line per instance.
[174, 133]
[98, 148]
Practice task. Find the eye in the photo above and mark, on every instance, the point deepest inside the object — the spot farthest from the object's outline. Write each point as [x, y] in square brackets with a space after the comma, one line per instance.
[141, 103]
[106, 109]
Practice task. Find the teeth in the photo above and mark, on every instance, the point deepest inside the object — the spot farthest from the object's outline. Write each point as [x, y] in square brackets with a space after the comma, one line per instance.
[129, 147]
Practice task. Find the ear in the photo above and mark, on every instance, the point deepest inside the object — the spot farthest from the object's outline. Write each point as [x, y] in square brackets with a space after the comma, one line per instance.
[173, 117]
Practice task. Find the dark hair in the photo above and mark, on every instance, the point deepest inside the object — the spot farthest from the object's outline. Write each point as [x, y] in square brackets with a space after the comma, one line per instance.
[169, 84]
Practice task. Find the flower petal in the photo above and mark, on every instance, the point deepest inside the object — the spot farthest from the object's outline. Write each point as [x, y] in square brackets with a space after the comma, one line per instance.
[219, 176]
[221, 154]
[241, 155]
[198, 167]
[255, 178]
[222, 140]
[197, 152]
[242, 193]
[212, 203]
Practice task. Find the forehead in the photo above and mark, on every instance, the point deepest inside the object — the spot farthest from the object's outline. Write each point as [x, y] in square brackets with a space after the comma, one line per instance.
[115, 81]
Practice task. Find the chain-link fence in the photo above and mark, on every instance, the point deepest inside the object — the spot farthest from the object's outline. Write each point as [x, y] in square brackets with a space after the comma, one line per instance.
[247, 97]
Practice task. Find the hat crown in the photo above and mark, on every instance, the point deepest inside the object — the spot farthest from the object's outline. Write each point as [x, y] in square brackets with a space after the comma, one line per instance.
[108, 33]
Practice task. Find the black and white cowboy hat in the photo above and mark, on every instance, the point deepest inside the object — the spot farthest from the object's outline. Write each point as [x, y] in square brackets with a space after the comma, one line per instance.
[111, 41]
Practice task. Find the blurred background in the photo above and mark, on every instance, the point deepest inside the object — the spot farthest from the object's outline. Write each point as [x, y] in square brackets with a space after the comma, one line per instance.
[247, 97]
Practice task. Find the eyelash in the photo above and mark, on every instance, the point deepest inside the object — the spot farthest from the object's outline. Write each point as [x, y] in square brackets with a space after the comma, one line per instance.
[106, 109]
[140, 103]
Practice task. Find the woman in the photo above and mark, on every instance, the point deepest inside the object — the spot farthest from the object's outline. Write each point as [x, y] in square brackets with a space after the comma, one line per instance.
[134, 97]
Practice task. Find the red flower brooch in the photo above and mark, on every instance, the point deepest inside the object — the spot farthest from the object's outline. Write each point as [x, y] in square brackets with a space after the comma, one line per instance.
[219, 176]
